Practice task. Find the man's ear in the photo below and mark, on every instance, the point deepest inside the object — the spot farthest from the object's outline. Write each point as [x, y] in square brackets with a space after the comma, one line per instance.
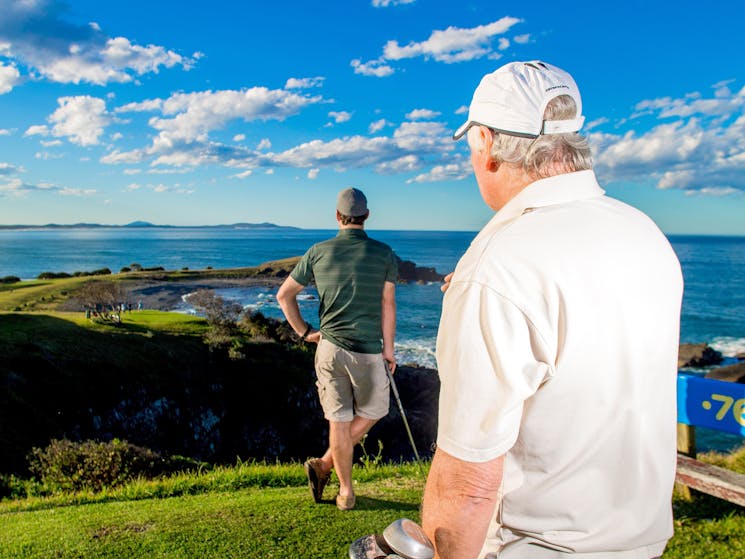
[486, 140]
[338, 216]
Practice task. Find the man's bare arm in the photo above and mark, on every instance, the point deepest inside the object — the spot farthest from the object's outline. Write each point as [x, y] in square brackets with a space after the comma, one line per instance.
[459, 502]
[389, 323]
[287, 299]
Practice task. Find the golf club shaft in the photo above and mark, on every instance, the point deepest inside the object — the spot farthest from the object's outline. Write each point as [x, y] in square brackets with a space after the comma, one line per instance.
[401, 409]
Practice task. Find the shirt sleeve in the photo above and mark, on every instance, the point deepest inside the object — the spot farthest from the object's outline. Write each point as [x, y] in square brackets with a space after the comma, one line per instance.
[303, 271]
[490, 360]
[391, 273]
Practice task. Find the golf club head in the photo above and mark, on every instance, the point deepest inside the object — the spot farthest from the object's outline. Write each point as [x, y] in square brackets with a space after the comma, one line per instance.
[407, 539]
[402, 539]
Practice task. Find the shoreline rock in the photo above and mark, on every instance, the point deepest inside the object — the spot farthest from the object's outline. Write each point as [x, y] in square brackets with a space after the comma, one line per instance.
[698, 355]
[729, 373]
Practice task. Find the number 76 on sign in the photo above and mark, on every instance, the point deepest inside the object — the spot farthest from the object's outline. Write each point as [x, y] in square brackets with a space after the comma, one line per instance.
[711, 403]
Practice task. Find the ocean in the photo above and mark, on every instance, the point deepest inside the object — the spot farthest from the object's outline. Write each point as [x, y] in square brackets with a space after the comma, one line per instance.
[713, 303]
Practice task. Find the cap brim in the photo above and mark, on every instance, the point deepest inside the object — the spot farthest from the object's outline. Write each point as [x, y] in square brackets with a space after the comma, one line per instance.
[458, 134]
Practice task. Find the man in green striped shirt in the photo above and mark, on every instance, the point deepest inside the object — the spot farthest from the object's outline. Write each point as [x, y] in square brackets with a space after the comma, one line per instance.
[355, 277]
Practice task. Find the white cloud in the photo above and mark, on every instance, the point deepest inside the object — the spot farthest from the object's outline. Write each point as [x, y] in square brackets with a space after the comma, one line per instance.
[438, 173]
[453, 44]
[376, 68]
[80, 119]
[116, 136]
[66, 191]
[132, 171]
[504, 43]
[265, 143]
[403, 164]
[304, 83]
[133, 186]
[421, 139]
[386, 3]
[4, 132]
[45, 155]
[521, 39]
[8, 169]
[38, 36]
[9, 77]
[239, 137]
[340, 116]
[142, 106]
[313, 173]
[422, 114]
[462, 110]
[594, 123]
[51, 143]
[117, 157]
[37, 130]
[699, 146]
[16, 188]
[194, 115]
[242, 175]
[378, 125]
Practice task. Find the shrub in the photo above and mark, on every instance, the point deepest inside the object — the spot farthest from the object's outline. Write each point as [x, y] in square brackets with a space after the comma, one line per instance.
[73, 466]
[53, 275]
[125, 269]
[10, 279]
[136, 267]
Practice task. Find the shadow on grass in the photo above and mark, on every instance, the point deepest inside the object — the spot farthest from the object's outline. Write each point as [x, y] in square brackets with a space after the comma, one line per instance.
[705, 507]
[371, 503]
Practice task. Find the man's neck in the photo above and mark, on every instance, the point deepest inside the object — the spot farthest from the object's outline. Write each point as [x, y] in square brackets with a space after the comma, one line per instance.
[351, 226]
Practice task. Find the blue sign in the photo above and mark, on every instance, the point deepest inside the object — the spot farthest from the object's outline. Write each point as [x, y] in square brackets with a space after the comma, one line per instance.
[711, 403]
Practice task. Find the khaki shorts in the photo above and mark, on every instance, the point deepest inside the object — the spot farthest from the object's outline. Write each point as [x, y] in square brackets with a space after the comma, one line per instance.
[351, 383]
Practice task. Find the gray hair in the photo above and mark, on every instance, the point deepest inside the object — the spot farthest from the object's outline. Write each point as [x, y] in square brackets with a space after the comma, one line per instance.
[546, 155]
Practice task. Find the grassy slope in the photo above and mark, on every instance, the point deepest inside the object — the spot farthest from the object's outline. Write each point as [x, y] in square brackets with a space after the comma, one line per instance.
[233, 514]
[265, 511]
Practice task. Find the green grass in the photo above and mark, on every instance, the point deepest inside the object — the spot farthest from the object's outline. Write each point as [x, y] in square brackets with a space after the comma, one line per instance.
[15, 327]
[38, 295]
[248, 511]
[265, 511]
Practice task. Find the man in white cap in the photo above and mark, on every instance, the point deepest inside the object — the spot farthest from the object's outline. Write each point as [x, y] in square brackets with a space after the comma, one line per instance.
[557, 348]
[356, 281]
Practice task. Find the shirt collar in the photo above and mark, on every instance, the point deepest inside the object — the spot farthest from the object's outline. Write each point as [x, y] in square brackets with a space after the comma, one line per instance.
[352, 232]
[559, 189]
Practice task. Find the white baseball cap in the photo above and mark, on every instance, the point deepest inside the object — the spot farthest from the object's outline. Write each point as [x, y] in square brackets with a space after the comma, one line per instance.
[512, 99]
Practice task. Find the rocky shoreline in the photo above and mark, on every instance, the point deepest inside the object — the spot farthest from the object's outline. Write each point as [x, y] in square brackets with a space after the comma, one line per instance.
[164, 291]
[702, 356]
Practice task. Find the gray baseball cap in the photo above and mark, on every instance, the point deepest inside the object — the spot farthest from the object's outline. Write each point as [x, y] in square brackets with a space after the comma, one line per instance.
[351, 202]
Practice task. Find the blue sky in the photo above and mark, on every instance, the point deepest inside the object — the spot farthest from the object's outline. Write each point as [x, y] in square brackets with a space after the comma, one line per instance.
[192, 113]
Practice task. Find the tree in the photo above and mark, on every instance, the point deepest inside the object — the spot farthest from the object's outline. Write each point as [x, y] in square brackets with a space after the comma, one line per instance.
[221, 315]
[105, 298]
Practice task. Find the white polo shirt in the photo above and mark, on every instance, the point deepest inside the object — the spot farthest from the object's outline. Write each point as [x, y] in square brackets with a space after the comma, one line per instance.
[558, 347]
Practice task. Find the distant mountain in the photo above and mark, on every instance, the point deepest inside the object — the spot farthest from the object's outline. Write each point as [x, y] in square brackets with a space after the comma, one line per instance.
[146, 224]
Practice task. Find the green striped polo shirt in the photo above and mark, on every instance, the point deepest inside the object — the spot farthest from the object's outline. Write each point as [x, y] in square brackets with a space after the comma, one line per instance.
[349, 272]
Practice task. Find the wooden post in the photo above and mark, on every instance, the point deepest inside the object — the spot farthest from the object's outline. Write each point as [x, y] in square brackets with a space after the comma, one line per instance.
[686, 446]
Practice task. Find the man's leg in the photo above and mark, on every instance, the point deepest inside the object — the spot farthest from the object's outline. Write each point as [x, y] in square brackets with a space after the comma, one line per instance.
[358, 428]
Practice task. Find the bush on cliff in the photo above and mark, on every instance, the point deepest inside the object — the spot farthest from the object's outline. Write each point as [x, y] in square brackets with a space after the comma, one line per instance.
[73, 466]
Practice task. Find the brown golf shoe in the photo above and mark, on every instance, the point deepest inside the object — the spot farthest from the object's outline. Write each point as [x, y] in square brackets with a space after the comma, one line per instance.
[317, 480]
